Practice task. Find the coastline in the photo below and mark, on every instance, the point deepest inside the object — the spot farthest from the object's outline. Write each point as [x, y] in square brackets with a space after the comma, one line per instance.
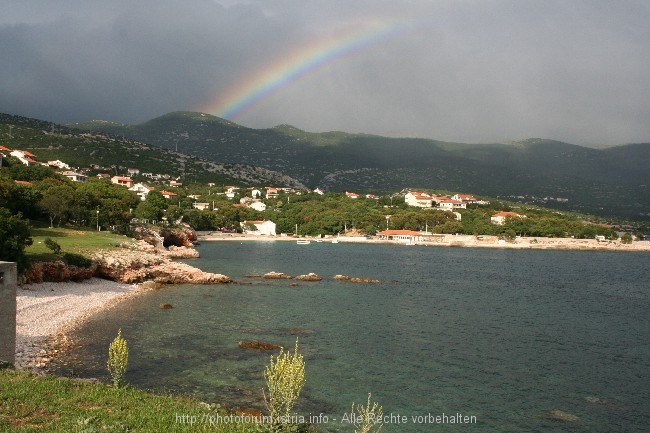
[463, 241]
[47, 312]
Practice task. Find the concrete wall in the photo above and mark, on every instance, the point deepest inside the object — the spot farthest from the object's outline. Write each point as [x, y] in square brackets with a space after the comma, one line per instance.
[8, 312]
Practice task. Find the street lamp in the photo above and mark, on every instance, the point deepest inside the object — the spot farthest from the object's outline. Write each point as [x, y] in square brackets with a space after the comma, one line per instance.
[97, 218]
[387, 218]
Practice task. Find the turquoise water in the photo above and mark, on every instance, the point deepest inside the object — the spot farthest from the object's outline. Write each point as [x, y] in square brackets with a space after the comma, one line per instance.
[502, 335]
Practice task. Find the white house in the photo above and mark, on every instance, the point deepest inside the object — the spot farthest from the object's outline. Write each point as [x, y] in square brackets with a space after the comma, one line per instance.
[74, 176]
[141, 190]
[319, 191]
[25, 157]
[500, 218]
[266, 228]
[445, 203]
[351, 194]
[465, 198]
[418, 199]
[230, 191]
[256, 193]
[133, 171]
[201, 206]
[58, 164]
[258, 206]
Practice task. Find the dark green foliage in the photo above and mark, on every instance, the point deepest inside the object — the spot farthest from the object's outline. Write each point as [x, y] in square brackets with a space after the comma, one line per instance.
[53, 246]
[74, 259]
[15, 235]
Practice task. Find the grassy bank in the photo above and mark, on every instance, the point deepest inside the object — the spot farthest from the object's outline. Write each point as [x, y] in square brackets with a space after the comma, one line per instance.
[31, 403]
[74, 241]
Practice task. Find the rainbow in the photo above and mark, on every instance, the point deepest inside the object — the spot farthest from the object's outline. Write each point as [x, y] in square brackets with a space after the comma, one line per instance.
[296, 65]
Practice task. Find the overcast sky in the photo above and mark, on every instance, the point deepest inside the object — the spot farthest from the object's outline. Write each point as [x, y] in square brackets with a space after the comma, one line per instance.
[471, 71]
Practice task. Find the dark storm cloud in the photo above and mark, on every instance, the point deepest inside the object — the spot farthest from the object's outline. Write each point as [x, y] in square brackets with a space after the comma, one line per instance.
[465, 70]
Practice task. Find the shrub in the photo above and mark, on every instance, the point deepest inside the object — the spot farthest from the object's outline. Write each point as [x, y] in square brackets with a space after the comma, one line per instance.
[118, 358]
[78, 260]
[53, 246]
[626, 238]
[285, 377]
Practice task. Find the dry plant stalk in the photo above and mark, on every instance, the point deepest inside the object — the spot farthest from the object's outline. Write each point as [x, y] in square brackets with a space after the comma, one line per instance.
[369, 417]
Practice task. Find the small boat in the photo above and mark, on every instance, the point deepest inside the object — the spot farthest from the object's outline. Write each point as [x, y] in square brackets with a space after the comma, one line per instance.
[303, 241]
[335, 241]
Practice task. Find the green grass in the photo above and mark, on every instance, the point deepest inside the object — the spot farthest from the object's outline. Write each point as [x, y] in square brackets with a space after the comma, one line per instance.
[31, 403]
[77, 241]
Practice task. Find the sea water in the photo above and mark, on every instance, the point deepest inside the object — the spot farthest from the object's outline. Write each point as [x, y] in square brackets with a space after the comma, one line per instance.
[504, 337]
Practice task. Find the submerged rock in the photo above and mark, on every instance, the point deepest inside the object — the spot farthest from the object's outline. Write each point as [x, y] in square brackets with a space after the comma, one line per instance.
[560, 415]
[166, 306]
[258, 345]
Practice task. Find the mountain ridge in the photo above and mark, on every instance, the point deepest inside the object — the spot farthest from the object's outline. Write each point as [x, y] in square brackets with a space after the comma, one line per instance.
[601, 181]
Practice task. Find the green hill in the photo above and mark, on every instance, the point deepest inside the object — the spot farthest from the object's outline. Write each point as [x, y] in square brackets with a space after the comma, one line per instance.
[77, 148]
[609, 181]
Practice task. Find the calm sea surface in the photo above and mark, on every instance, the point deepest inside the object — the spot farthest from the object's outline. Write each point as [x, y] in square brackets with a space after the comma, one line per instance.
[502, 335]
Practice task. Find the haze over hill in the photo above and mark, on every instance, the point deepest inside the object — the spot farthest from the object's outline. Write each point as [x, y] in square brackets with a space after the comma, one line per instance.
[610, 181]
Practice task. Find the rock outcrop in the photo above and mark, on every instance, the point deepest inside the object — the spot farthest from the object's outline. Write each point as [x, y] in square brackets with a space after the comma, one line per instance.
[355, 279]
[276, 276]
[309, 277]
[136, 266]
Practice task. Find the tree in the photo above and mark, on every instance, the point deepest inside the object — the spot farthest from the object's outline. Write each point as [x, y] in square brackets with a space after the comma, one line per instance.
[55, 202]
[152, 208]
[15, 235]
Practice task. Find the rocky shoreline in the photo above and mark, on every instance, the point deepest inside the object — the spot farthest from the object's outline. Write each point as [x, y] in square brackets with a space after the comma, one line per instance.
[54, 298]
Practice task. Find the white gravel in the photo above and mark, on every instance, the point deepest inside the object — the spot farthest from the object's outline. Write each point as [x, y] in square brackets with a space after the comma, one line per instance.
[45, 311]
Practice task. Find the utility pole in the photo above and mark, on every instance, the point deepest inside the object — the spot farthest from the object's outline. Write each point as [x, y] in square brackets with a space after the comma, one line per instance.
[10, 128]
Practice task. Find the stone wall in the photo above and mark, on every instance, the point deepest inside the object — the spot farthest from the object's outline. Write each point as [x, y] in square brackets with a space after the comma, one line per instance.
[7, 312]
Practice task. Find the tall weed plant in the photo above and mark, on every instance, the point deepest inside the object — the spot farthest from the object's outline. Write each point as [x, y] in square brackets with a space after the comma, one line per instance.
[118, 359]
[285, 377]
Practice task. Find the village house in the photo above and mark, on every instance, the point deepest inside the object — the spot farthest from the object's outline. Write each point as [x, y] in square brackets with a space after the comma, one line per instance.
[465, 198]
[74, 176]
[272, 192]
[230, 191]
[256, 193]
[168, 194]
[418, 199]
[25, 157]
[500, 218]
[141, 190]
[351, 194]
[175, 184]
[266, 228]
[258, 206]
[408, 236]
[123, 181]
[201, 206]
[446, 203]
[58, 164]
[103, 176]
[133, 171]
[319, 191]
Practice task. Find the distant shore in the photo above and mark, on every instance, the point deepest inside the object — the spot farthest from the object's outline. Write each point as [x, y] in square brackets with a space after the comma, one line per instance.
[468, 241]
